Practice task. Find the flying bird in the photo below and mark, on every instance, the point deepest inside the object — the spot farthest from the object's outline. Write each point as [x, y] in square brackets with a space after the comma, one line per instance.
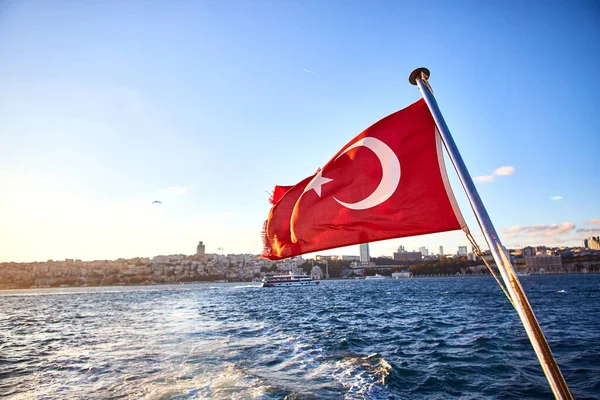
[156, 201]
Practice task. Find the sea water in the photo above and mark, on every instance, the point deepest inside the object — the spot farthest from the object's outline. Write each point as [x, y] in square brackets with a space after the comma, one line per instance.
[427, 338]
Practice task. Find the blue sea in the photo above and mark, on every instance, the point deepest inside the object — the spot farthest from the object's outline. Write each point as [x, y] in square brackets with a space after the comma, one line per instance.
[427, 338]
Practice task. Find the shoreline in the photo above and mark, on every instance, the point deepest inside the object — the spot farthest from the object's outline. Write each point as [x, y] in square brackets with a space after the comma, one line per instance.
[387, 278]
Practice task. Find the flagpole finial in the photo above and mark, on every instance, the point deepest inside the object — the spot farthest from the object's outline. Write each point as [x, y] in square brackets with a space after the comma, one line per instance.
[417, 72]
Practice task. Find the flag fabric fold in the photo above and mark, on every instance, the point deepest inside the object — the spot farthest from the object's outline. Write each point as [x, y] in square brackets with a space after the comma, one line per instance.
[388, 182]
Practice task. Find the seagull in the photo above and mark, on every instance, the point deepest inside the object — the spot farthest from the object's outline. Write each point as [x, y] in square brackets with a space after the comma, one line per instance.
[156, 201]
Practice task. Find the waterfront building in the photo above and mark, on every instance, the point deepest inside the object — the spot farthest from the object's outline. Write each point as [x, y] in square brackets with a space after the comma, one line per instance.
[402, 274]
[544, 264]
[462, 250]
[316, 273]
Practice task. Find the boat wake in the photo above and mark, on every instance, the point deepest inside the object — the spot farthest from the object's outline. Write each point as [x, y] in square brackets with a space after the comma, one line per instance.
[247, 286]
[228, 382]
[363, 377]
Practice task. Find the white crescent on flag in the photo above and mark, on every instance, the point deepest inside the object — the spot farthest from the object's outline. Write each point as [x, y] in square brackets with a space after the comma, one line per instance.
[390, 166]
[391, 173]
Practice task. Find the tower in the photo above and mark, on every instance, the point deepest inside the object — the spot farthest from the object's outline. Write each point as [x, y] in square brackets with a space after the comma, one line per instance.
[364, 253]
[200, 248]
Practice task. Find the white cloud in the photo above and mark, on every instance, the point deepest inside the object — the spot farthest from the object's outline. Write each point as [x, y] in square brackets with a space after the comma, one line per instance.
[556, 198]
[588, 230]
[504, 171]
[542, 230]
[308, 71]
[484, 178]
[595, 221]
[594, 229]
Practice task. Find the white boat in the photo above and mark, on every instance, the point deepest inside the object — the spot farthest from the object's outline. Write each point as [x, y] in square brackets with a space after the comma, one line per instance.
[288, 280]
[401, 274]
[523, 273]
[376, 276]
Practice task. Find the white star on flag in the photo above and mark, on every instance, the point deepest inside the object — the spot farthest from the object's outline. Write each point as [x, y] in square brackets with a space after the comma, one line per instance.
[318, 181]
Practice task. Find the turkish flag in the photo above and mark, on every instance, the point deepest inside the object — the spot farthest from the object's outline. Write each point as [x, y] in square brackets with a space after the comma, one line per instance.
[388, 182]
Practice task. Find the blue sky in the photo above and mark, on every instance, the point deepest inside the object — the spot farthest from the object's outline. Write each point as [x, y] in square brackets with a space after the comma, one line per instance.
[107, 106]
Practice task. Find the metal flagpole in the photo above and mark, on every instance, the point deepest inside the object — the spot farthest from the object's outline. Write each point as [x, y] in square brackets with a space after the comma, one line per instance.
[557, 383]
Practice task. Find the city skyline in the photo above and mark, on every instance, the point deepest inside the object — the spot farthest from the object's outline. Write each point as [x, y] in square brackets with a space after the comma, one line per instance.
[133, 131]
[590, 243]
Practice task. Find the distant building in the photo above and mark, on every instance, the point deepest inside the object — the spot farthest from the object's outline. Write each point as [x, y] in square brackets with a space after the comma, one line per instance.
[408, 256]
[403, 255]
[593, 243]
[540, 250]
[364, 253]
[336, 258]
[441, 250]
[347, 258]
[424, 250]
[528, 251]
[200, 248]
[316, 273]
[325, 258]
[462, 250]
[544, 264]
[585, 244]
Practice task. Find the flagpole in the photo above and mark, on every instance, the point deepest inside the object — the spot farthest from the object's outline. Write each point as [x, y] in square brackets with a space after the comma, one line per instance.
[419, 77]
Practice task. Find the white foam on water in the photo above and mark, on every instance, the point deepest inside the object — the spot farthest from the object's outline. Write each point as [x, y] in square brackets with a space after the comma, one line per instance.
[363, 377]
[247, 286]
[226, 382]
[384, 368]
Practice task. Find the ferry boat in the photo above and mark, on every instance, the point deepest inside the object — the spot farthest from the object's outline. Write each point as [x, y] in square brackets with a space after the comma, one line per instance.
[376, 276]
[288, 280]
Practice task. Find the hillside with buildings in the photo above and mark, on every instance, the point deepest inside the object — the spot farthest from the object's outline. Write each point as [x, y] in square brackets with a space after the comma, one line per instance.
[160, 269]
[246, 267]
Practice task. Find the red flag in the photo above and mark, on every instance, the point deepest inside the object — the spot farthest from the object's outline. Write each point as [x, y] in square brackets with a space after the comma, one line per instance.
[388, 182]
[278, 192]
